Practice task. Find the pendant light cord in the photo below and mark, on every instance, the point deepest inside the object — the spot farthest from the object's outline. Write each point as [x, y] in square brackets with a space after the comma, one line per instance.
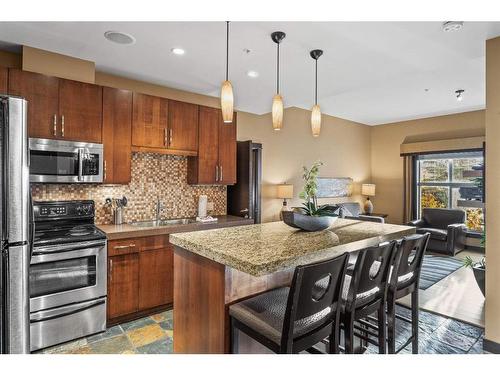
[227, 50]
[316, 85]
[278, 71]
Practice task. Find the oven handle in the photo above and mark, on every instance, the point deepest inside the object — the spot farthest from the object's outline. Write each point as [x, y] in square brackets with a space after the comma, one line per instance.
[67, 247]
[60, 312]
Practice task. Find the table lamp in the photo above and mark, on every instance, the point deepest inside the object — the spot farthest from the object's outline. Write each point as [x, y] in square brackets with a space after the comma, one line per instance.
[285, 191]
[369, 191]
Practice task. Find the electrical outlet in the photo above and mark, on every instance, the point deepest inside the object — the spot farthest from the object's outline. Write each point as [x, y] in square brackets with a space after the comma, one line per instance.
[210, 206]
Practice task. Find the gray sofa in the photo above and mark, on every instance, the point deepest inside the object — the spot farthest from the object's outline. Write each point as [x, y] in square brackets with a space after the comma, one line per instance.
[352, 210]
[446, 227]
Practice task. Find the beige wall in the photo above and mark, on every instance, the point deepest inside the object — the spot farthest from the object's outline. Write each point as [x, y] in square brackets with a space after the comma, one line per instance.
[492, 314]
[387, 164]
[343, 146]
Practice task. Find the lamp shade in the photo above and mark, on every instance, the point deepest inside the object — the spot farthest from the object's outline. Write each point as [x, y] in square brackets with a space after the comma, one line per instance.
[226, 101]
[277, 112]
[285, 191]
[368, 189]
[315, 120]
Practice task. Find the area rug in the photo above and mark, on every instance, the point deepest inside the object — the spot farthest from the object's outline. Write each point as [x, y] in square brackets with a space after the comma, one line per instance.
[436, 268]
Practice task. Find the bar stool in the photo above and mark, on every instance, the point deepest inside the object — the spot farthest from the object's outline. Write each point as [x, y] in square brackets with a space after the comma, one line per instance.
[364, 294]
[293, 319]
[404, 280]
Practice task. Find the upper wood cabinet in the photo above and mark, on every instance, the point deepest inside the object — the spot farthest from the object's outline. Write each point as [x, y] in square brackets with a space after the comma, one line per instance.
[80, 108]
[182, 126]
[3, 80]
[216, 160]
[149, 124]
[116, 135]
[42, 94]
[59, 108]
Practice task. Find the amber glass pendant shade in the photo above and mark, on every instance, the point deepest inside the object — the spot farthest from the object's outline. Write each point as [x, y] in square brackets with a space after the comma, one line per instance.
[227, 101]
[277, 112]
[316, 120]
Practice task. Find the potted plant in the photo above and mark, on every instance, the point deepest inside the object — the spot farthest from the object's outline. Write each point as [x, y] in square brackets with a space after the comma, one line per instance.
[311, 217]
[479, 268]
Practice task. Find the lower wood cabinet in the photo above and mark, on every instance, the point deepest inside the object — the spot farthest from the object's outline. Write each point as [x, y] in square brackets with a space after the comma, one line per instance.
[3, 80]
[140, 277]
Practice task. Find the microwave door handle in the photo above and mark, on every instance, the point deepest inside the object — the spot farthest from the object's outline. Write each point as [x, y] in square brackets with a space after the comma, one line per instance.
[80, 164]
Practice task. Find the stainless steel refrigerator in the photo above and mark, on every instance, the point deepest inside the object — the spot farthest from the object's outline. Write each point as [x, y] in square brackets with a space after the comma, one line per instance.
[16, 228]
[243, 198]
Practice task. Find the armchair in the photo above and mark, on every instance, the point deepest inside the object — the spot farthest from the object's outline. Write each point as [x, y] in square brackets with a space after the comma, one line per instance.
[446, 227]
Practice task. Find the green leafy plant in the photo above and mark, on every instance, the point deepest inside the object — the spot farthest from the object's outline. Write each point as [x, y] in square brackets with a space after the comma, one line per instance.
[469, 262]
[310, 191]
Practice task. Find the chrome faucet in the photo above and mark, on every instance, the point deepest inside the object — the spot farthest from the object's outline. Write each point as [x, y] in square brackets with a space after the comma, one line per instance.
[158, 209]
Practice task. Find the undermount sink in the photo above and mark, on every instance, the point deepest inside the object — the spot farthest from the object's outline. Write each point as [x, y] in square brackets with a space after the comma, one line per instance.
[161, 223]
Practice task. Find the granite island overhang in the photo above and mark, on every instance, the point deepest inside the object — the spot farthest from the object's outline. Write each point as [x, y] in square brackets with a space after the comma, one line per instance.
[215, 268]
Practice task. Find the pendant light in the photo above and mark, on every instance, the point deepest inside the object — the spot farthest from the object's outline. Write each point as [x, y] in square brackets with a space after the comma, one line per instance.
[316, 110]
[226, 91]
[277, 108]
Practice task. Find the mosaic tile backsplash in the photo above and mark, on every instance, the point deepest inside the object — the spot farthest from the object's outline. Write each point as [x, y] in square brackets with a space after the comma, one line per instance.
[154, 177]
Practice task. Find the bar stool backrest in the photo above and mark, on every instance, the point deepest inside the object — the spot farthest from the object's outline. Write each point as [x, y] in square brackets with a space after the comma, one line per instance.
[408, 259]
[315, 287]
[371, 273]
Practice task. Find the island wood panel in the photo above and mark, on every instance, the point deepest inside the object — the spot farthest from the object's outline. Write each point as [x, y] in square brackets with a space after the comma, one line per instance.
[149, 124]
[123, 285]
[227, 152]
[4, 73]
[202, 169]
[80, 108]
[116, 135]
[182, 126]
[203, 291]
[42, 94]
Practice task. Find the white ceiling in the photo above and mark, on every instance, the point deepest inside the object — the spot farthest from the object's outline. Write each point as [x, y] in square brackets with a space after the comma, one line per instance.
[371, 72]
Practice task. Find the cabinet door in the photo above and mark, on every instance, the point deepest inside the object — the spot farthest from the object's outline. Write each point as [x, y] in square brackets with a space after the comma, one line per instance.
[156, 277]
[3, 80]
[203, 169]
[227, 152]
[123, 285]
[116, 135]
[42, 94]
[80, 110]
[149, 121]
[182, 126]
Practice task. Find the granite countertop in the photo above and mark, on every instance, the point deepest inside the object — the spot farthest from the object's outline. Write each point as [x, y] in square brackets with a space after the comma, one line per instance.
[261, 249]
[118, 232]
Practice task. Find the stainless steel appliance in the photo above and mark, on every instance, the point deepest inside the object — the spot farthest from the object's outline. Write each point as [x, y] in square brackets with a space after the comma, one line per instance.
[15, 226]
[244, 198]
[67, 276]
[53, 161]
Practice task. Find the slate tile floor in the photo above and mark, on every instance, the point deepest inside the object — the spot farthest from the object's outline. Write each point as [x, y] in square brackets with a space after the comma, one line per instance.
[154, 335]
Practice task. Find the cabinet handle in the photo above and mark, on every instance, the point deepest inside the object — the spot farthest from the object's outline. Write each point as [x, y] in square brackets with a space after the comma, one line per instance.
[105, 169]
[55, 125]
[121, 247]
[216, 173]
[111, 270]
[62, 125]
[220, 173]
[171, 136]
[165, 138]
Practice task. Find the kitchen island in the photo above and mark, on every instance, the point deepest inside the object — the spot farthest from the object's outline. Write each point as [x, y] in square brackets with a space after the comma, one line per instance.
[215, 268]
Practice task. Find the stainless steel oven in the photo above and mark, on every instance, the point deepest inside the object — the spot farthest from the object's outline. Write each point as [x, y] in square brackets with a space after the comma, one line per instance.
[53, 161]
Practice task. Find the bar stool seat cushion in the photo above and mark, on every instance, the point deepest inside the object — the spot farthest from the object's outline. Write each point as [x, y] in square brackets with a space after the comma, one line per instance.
[265, 313]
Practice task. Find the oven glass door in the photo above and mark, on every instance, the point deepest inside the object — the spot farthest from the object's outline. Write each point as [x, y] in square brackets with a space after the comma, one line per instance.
[62, 275]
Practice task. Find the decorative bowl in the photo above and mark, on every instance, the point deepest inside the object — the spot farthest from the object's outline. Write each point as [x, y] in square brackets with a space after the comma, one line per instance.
[306, 222]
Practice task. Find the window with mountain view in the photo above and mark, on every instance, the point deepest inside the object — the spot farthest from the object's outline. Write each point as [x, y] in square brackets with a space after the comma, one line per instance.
[452, 180]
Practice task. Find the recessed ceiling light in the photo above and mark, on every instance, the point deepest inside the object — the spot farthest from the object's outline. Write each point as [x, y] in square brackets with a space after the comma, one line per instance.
[451, 26]
[459, 95]
[252, 74]
[178, 51]
[119, 37]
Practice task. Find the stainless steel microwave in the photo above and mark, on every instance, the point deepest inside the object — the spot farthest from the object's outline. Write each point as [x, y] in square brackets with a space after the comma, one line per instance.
[53, 161]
